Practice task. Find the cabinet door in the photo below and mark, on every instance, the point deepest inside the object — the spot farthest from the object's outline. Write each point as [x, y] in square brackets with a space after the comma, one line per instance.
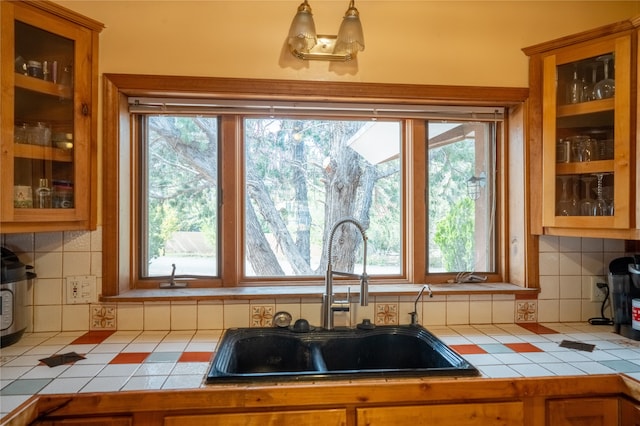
[583, 412]
[490, 414]
[87, 421]
[629, 413]
[587, 136]
[336, 417]
[47, 148]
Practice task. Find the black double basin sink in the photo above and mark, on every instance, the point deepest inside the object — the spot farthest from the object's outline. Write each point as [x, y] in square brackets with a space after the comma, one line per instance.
[281, 354]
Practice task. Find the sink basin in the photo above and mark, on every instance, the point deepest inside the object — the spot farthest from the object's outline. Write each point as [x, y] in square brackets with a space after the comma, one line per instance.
[274, 354]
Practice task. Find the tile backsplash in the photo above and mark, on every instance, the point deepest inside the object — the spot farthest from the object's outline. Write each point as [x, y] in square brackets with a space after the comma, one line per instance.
[567, 266]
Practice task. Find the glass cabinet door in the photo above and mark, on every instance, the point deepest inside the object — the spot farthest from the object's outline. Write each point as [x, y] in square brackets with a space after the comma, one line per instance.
[43, 128]
[46, 122]
[586, 135]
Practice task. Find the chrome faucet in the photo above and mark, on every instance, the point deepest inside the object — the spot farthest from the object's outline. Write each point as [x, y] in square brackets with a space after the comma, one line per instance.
[329, 304]
[414, 314]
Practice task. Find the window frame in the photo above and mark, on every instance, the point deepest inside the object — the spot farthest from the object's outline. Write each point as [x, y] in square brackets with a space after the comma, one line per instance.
[493, 170]
[119, 164]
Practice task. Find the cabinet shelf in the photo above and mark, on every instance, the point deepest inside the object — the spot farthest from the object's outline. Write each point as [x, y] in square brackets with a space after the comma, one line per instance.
[583, 168]
[591, 107]
[36, 152]
[42, 86]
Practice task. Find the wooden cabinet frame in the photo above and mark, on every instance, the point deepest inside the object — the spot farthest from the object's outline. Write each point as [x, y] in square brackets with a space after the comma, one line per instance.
[477, 401]
[83, 32]
[620, 38]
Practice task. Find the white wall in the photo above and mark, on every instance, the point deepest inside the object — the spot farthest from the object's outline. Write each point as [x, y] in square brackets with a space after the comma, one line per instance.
[407, 41]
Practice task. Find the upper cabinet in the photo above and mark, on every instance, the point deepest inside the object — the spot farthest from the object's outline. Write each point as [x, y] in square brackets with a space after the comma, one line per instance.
[582, 134]
[48, 118]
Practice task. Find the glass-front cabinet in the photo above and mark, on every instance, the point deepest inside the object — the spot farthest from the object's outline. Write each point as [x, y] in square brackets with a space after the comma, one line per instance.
[584, 182]
[48, 118]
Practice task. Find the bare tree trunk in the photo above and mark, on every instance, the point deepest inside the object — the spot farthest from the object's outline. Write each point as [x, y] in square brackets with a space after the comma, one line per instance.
[259, 194]
[261, 257]
[303, 217]
[369, 179]
[342, 179]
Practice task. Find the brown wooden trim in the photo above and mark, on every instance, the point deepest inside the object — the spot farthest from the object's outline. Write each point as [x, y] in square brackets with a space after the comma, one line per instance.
[256, 398]
[417, 204]
[110, 178]
[327, 91]
[116, 137]
[63, 12]
[620, 234]
[592, 34]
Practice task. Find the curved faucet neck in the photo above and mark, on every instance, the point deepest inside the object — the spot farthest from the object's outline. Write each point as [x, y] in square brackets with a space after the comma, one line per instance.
[327, 298]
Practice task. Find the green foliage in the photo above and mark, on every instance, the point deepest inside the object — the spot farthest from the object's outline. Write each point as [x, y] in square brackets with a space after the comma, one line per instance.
[182, 178]
[165, 223]
[455, 236]
[269, 151]
[450, 166]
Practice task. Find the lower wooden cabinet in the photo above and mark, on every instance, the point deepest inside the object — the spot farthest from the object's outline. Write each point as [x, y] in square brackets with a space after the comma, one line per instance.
[583, 412]
[88, 421]
[491, 414]
[601, 400]
[276, 418]
[629, 413]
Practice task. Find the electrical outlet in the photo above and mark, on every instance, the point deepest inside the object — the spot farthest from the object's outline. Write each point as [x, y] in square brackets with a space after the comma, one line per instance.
[81, 289]
[597, 294]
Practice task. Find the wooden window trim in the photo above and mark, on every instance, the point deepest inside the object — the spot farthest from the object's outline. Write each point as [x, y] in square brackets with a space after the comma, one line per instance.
[117, 161]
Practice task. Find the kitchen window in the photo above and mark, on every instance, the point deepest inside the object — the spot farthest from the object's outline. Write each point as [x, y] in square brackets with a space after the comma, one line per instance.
[301, 175]
[242, 192]
[462, 198]
[179, 195]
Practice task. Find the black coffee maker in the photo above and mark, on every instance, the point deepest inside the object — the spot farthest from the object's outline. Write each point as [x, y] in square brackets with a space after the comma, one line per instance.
[624, 284]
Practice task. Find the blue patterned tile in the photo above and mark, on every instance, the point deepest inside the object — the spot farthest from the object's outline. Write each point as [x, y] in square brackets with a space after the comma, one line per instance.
[163, 357]
[495, 348]
[24, 387]
[622, 366]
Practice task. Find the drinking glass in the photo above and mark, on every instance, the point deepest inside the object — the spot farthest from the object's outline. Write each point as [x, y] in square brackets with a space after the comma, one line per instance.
[578, 147]
[587, 203]
[564, 207]
[589, 91]
[606, 87]
[600, 207]
[575, 88]
[607, 194]
[587, 149]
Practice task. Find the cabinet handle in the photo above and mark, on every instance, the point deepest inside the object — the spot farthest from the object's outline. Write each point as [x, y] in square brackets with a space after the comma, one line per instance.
[85, 109]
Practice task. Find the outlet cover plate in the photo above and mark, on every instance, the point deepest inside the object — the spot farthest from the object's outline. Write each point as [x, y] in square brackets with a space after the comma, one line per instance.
[80, 289]
[597, 294]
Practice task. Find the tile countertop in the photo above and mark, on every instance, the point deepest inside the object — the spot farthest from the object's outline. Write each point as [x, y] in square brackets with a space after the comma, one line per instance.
[144, 360]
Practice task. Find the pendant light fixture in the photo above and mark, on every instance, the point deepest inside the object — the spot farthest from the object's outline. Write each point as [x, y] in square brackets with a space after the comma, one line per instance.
[305, 44]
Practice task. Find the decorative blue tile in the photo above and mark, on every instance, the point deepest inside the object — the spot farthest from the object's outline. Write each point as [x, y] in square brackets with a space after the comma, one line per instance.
[163, 357]
[495, 348]
[622, 366]
[25, 387]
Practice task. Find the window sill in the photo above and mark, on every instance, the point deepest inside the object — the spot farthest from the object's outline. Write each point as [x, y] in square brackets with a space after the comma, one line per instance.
[312, 292]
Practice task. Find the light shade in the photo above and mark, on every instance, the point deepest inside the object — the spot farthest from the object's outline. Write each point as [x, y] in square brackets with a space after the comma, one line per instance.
[350, 36]
[302, 33]
[305, 44]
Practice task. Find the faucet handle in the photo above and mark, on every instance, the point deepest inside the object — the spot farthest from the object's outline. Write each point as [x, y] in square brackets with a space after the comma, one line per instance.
[342, 305]
[346, 301]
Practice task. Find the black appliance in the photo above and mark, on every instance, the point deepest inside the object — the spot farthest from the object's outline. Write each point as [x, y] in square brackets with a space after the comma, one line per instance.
[624, 284]
[15, 280]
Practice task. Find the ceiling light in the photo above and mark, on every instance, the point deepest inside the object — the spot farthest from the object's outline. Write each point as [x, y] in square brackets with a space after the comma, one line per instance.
[307, 45]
